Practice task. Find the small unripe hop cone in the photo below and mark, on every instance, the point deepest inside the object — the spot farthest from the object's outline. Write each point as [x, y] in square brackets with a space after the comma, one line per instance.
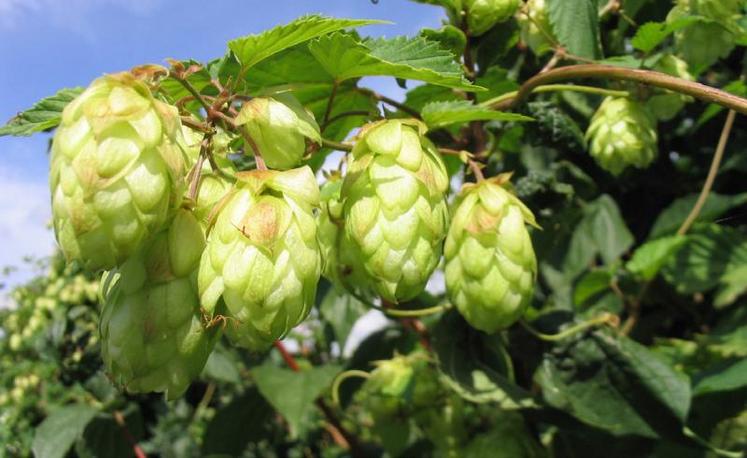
[117, 171]
[262, 257]
[482, 15]
[395, 208]
[536, 30]
[490, 263]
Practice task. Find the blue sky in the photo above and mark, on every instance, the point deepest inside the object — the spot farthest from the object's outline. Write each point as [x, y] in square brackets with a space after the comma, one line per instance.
[46, 45]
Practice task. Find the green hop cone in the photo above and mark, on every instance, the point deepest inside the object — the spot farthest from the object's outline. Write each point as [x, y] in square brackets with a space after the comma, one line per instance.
[490, 263]
[279, 126]
[666, 104]
[117, 171]
[536, 30]
[152, 334]
[395, 208]
[482, 15]
[262, 258]
[622, 132]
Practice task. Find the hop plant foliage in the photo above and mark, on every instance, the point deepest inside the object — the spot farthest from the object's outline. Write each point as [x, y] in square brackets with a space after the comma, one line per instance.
[665, 104]
[490, 262]
[153, 334]
[622, 133]
[536, 30]
[395, 208]
[482, 15]
[117, 170]
[262, 258]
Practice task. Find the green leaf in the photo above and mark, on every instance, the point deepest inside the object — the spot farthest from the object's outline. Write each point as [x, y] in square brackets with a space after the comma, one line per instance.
[449, 37]
[221, 367]
[252, 49]
[242, 421]
[440, 114]
[341, 310]
[420, 96]
[344, 57]
[650, 257]
[590, 285]
[675, 214]
[728, 378]
[59, 431]
[476, 365]
[615, 384]
[44, 115]
[293, 394]
[103, 436]
[576, 25]
[651, 34]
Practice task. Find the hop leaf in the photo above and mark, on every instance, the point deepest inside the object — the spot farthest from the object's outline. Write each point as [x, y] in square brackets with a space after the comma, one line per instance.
[395, 208]
[262, 257]
[117, 171]
[622, 132]
[490, 262]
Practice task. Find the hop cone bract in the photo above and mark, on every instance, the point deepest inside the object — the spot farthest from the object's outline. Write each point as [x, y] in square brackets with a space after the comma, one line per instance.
[262, 257]
[484, 14]
[536, 30]
[152, 334]
[490, 262]
[622, 132]
[395, 208]
[279, 127]
[117, 170]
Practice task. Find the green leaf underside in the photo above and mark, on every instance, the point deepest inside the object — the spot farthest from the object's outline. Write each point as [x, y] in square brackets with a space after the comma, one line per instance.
[44, 115]
[59, 431]
[440, 114]
[252, 49]
[576, 24]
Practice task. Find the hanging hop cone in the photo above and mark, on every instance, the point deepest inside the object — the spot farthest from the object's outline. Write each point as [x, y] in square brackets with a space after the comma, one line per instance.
[117, 170]
[262, 258]
[622, 132]
[153, 337]
[395, 209]
[666, 104]
[482, 15]
[279, 127]
[536, 30]
[490, 263]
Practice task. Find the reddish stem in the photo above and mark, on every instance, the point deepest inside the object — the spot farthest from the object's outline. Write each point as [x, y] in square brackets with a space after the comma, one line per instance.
[119, 418]
[287, 357]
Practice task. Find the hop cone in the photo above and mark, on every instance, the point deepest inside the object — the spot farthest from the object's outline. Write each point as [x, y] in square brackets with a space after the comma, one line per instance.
[279, 127]
[152, 334]
[490, 262]
[262, 257]
[484, 14]
[666, 104]
[536, 31]
[395, 208]
[622, 133]
[117, 171]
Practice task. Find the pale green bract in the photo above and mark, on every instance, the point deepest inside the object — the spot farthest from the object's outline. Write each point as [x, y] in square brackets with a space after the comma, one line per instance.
[153, 337]
[490, 263]
[622, 133]
[482, 15]
[117, 171]
[536, 30]
[262, 257]
[279, 127]
[395, 208]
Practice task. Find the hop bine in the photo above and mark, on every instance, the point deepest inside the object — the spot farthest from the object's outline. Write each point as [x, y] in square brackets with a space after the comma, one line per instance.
[490, 263]
[395, 208]
[262, 257]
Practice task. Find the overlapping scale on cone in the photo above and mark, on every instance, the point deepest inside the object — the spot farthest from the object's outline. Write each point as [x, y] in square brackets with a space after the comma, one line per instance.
[395, 209]
[622, 133]
[262, 257]
[117, 170]
[153, 335]
[490, 262]
[482, 15]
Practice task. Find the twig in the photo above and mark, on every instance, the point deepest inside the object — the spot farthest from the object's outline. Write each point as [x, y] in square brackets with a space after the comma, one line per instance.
[603, 318]
[191, 89]
[712, 172]
[195, 125]
[475, 168]
[413, 325]
[382, 98]
[346, 114]
[650, 77]
[337, 145]
[119, 418]
[330, 102]
[558, 87]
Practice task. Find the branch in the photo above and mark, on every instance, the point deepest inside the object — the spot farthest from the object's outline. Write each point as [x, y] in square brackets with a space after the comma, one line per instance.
[712, 172]
[557, 87]
[650, 77]
[136, 450]
[382, 98]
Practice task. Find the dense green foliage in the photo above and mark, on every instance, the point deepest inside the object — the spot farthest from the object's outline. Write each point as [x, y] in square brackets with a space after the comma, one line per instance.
[594, 281]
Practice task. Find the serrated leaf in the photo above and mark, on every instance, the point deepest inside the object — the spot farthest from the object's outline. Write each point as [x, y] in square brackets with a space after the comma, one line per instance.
[450, 38]
[344, 57]
[440, 114]
[293, 394]
[675, 214]
[45, 114]
[59, 431]
[650, 257]
[576, 25]
[252, 49]
[651, 34]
